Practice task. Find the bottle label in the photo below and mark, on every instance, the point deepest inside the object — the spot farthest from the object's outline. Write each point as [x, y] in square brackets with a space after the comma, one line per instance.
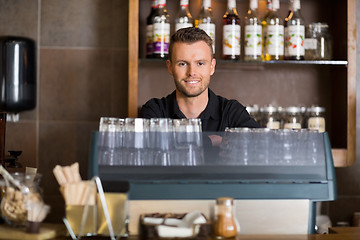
[154, 3]
[276, 4]
[317, 123]
[231, 39]
[149, 39]
[231, 4]
[294, 40]
[253, 4]
[162, 3]
[209, 28]
[310, 44]
[253, 40]
[182, 25]
[161, 37]
[273, 125]
[184, 3]
[296, 4]
[206, 4]
[292, 126]
[274, 43]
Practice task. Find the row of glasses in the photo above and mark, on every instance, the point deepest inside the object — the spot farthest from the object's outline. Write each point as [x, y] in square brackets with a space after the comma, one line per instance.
[155, 141]
[110, 140]
[262, 146]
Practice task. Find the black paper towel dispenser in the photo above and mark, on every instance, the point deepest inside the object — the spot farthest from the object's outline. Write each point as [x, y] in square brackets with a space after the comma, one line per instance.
[18, 74]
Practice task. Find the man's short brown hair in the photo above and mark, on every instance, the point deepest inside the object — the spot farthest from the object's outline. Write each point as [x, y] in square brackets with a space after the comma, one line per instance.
[189, 35]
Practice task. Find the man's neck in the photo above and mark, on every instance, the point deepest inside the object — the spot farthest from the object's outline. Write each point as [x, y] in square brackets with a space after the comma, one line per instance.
[194, 106]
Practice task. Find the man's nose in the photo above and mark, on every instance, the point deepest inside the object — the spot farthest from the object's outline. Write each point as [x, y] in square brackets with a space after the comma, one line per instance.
[192, 70]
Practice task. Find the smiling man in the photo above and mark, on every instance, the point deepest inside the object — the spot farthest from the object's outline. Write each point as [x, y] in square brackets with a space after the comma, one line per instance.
[191, 63]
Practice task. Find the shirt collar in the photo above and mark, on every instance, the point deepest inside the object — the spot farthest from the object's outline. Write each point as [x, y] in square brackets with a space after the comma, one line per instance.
[176, 114]
[211, 110]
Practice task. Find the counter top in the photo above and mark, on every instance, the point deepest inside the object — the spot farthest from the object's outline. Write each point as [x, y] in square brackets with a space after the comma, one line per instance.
[337, 233]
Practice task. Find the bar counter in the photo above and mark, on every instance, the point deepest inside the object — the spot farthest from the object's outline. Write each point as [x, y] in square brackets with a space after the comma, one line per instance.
[336, 233]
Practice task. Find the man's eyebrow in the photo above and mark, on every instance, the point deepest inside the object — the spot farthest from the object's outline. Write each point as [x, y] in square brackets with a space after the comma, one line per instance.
[181, 61]
[197, 60]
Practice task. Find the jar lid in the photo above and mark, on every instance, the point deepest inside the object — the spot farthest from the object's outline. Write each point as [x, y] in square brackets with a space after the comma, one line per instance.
[228, 201]
[268, 109]
[293, 109]
[237, 129]
[316, 109]
[318, 26]
[252, 108]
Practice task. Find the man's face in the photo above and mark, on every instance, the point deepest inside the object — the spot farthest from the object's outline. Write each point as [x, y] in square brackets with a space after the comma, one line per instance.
[191, 65]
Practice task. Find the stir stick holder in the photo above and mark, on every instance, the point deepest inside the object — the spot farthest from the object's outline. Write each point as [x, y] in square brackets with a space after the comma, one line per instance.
[108, 217]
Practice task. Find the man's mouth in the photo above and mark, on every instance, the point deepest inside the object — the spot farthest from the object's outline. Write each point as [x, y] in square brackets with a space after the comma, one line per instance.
[192, 81]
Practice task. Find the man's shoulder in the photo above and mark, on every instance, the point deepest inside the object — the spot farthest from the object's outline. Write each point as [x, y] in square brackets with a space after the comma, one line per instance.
[163, 101]
[227, 103]
[156, 107]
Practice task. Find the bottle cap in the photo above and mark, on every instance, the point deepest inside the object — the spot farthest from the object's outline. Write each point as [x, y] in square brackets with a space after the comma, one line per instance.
[225, 201]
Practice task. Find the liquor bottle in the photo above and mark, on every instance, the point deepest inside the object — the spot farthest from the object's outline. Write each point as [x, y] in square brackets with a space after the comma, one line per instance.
[161, 31]
[231, 32]
[183, 18]
[294, 33]
[253, 34]
[206, 21]
[273, 33]
[149, 29]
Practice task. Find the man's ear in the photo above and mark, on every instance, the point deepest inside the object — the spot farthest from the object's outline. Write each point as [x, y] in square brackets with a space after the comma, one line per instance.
[213, 63]
[169, 67]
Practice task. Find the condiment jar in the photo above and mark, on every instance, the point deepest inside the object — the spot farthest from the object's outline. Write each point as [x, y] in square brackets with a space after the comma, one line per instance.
[253, 111]
[293, 118]
[225, 225]
[316, 118]
[318, 42]
[269, 117]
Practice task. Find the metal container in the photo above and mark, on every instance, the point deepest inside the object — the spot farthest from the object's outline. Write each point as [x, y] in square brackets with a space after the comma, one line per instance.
[18, 74]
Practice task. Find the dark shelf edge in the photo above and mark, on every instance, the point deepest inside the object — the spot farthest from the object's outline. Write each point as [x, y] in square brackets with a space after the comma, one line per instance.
[284, 62]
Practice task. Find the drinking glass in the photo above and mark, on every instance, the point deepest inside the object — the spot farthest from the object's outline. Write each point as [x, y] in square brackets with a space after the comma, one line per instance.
[161, 140]
[110, 140]
[137, 142]
[260, 146]
[188, 142]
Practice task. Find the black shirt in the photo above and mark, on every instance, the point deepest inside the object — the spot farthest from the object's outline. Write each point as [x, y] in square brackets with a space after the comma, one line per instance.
[218, 114]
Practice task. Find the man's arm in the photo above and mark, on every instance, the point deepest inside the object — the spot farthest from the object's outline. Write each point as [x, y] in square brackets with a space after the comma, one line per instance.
[239, 117]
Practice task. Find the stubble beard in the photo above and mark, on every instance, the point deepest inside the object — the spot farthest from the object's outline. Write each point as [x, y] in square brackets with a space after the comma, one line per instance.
[182, 89]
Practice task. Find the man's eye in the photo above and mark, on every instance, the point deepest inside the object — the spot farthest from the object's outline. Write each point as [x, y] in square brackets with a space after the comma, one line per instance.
[182, 64]
[201, 63]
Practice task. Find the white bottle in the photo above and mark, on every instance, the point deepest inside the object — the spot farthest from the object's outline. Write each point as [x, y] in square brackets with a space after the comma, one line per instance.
[294, 33]
[231, 32]
[206, 21]
[183, 18]
[253, 34]
[273, 33]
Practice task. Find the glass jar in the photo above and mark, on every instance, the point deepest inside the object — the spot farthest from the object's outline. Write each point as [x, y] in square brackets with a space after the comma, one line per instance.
[269, 117]
[14, 202]
[253, 110]
[316, 118]
[293, 118]
[318, 42]
[226, 225]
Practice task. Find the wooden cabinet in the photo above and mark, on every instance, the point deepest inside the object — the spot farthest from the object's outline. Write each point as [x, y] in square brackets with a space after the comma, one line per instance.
[328, 83]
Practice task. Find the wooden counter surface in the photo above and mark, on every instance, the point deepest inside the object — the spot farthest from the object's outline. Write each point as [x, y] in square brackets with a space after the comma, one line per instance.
[337, 233]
